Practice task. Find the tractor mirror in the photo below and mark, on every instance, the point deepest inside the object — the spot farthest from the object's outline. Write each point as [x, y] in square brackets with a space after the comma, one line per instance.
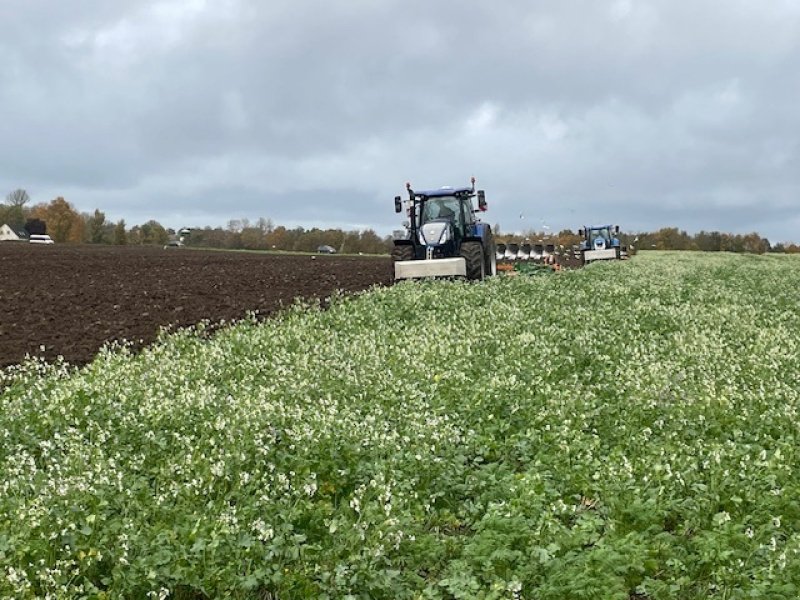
[616, 229]
[481, 200]
[581, 232]
[398, 204]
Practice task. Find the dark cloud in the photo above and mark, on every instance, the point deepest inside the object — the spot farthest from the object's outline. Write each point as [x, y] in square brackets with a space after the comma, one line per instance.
[647, 113]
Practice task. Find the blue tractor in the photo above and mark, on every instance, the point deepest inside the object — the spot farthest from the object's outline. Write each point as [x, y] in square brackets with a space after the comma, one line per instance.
[443, 236]
[600, 243]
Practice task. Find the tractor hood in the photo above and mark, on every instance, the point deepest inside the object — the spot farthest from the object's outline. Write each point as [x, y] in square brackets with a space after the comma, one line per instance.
[436, 232]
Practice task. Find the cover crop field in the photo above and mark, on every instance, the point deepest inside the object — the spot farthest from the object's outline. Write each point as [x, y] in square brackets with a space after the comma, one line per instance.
[625, 431]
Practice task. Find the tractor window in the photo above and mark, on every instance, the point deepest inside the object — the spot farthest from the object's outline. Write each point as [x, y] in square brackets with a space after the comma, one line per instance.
[447, 207]
[601, 233]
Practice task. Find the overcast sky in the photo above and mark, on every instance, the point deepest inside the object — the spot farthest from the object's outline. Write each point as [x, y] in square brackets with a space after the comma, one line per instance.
[644, 113]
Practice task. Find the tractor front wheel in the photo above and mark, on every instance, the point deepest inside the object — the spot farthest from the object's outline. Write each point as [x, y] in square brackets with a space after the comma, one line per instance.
[472, 253]
[401, 252]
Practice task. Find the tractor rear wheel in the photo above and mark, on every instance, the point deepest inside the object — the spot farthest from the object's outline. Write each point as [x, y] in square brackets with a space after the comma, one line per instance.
[472, 253]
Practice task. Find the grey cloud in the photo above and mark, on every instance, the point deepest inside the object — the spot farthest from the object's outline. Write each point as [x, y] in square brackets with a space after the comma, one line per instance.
[651, 113]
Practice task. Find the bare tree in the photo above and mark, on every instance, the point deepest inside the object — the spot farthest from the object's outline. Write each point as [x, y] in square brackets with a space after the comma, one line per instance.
[18, 198]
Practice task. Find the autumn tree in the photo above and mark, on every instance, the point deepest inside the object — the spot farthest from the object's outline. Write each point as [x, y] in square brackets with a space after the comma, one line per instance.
[754, 244]
[64, 224]
[568, 238]
[278, 238]
[253, 238]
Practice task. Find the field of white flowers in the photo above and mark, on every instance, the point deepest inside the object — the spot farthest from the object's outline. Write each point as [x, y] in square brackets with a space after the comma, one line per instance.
[626, 431]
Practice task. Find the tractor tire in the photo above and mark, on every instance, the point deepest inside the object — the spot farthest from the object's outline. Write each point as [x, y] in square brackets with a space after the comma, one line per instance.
[401, 252]
[490, 253]
[472, 253]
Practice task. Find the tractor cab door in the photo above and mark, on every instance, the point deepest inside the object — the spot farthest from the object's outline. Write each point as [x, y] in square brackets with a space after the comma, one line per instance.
[468, 213]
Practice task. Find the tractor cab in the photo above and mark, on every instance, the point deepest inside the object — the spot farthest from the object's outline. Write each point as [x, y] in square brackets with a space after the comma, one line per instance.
[599, 238]
[454, 204]
[443, 218]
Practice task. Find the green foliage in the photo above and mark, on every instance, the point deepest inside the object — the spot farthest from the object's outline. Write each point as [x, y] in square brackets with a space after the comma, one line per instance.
[97, 229]
[120, 235]
[670, 238]
[532, 268]
[625, 431]
[265, 236]
[149, 233]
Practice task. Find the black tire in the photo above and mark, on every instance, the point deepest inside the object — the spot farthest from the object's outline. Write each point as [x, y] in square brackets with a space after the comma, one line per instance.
[472, 253]
[401, 252]
[489, 253]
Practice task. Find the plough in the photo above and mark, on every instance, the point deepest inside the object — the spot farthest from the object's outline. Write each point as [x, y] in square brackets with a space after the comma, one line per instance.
[510, 256]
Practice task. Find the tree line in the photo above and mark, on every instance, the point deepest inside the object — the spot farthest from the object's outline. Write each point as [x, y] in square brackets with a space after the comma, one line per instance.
[67, 225]
[264, 235]
[666, 238]
[671, 238]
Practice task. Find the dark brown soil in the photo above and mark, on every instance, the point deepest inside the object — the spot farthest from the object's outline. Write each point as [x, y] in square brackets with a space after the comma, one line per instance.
[72, 299]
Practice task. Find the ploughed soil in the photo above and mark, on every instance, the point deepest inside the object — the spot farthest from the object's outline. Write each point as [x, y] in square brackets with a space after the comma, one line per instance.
[70, 300]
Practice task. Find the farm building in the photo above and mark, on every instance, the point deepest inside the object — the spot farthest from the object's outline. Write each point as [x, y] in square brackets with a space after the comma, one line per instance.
[12, 234]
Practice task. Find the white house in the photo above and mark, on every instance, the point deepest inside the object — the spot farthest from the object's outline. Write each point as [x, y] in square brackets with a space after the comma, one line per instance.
[9, 234]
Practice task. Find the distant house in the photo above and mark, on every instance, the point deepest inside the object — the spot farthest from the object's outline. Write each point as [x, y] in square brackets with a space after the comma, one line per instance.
[12, 234]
